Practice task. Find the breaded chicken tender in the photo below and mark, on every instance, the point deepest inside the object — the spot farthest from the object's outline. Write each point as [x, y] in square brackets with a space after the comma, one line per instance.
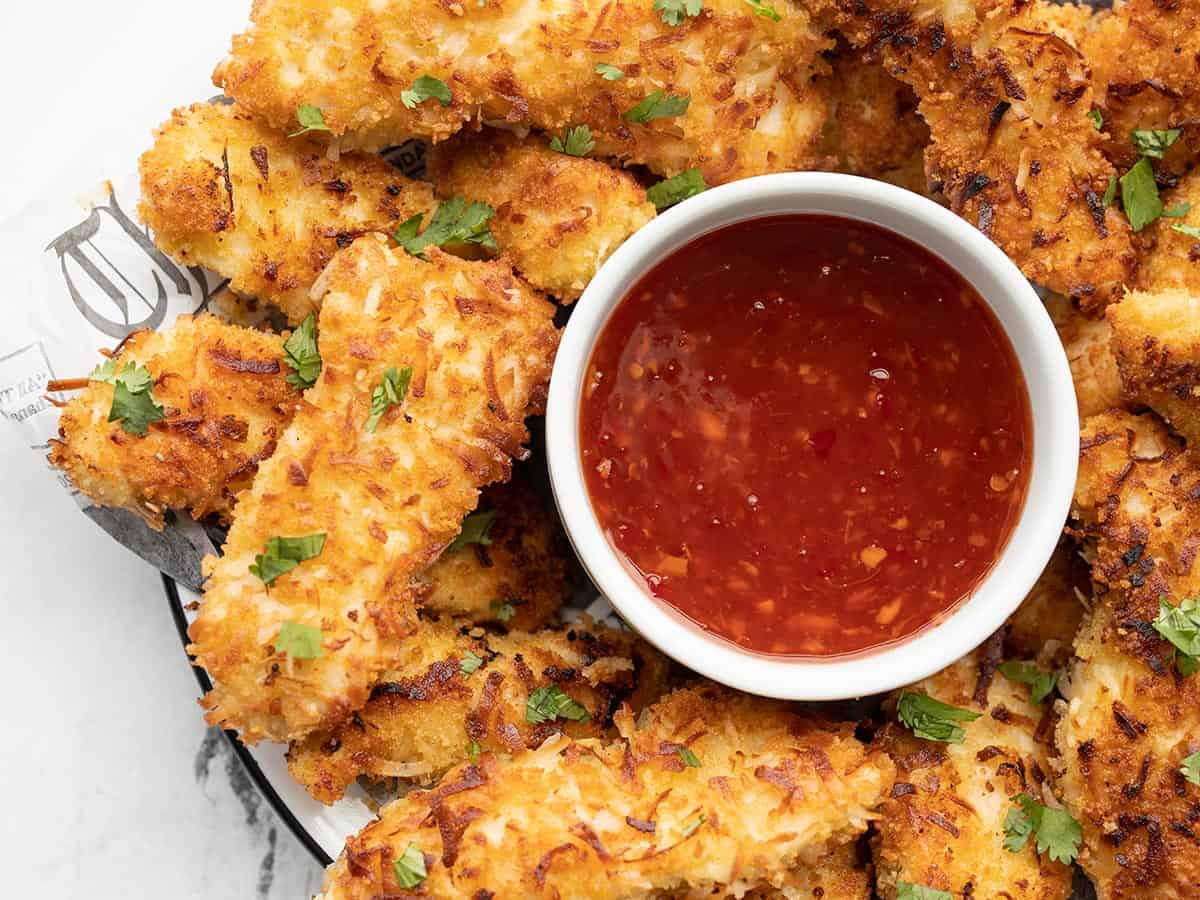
[1171, 258]
[534, 64]
[459, 691]
[836, 876]
[519, 579]
[558, 216]
[225, 399]
[1006, 96]
[1130, 717]
[1088, 342]
[585, 819]
[943, 823]
[224, 191]
[384, 467]
[1045, 624]
[1143, 58]
[1156, 339]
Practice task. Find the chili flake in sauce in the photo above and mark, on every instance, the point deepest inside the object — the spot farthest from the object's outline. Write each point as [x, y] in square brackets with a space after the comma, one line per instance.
[808, 434]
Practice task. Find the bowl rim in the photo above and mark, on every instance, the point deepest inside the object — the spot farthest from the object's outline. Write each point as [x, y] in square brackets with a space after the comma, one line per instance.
[1040, 354]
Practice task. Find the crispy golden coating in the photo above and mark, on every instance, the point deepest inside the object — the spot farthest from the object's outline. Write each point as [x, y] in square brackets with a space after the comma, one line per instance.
[836, 876]
[226, 399]
[534, 64]
[943, 823]
[1088, 342]
[626, 819]
[873, 128]
[558, 217]
[224, 191]
[1006, 97]
[1156, 339]
[1044, 625]
[1129, 718]
[525, 567]
[1170, 258]
[1143, 59]
[426, 711]
[480, 346]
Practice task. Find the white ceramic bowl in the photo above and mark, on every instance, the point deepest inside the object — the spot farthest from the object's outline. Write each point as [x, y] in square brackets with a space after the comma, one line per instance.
[1051, 396]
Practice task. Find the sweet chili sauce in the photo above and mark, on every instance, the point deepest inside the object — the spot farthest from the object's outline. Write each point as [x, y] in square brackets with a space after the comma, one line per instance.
[808, 435]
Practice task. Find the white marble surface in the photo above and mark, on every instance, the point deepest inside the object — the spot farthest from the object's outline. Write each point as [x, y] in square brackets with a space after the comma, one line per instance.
[111, 785]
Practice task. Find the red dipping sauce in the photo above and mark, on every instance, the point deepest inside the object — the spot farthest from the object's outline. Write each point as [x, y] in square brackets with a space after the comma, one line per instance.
[808, 434]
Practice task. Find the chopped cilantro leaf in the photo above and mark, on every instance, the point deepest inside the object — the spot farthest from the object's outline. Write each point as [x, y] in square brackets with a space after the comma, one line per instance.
[658, 105]
[475, 528]
[549, 703]
[1056, 833]
[691, 826]
[310, 119]
[299, 641]
[410, 867]
[1190, 768]
[1041, 684]
[764, 9]
[677, 188]
[1139, 195]
[473, 750]
[931, 719]
[575, 141]
[301, 354]
[906, 890]
[285, 553]
[689, 758]
[1155, 143]
[673, 12]
[1110, 192]
[609, 73]
[504, 611]
[1181, 626]
[469, 663]
[454, 222]
[390, 392]
[1177, 211]
[1097, 118]
[133, 403]
[106, 372]
[1190, 230]
[426, 88]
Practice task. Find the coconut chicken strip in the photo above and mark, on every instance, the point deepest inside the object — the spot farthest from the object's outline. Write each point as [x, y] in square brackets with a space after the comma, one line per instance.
[839, 875]
[557, 215]
[223, 191]
[1088, 343]
[1143, 67]
[1006, 96]
[1044, 625]
[430, 368]
[225, 401]
[460, 691]
[711, 792]
[943, 824]
[725, 90]
[1131, 716]
[1156, 338]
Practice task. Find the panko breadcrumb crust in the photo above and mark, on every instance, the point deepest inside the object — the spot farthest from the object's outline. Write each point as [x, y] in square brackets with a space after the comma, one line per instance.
[480, 345]
[628, 818]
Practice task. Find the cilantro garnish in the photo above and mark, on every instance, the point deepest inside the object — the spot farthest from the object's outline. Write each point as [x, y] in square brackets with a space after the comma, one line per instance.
[677, 188]
[609, 73]
[691, 826]
[673, 12]
[1190, 230]
[1154, 143]
[504, 611]
[426, 88]
[1178, 211]
[133, 403]
[473, 750]
[454, 222]
[301, 353]
[285, 553]
[475, 528]
[766, 10]
[906, 890]
[575, 141]
[549, 703]
[390, 392]
[469, 663]
[931, 719]
[410, 867]
[1110, 192]
[1041, 684]
[1054, 829]
[1181, 626]
[310, 119]
[1097, 118]
[689, 758]
[658, 105]
[1190, 768]
[299, 641]
[1139, 195]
